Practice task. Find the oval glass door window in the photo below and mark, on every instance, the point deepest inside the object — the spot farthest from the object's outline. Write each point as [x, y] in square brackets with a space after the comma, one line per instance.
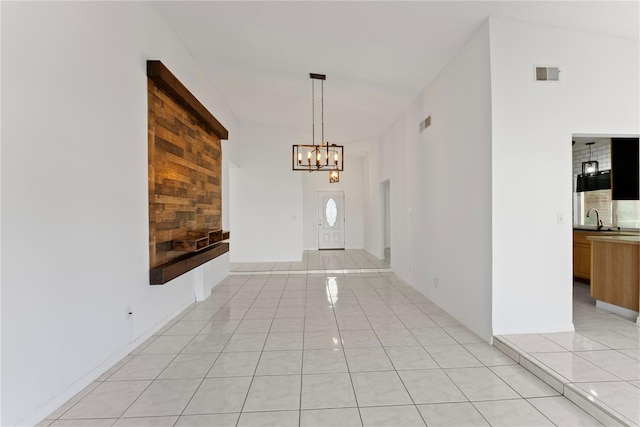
[331, 212]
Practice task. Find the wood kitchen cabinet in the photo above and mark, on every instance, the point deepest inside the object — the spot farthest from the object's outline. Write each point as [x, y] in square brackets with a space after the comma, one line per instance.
[581, 254]
[582, 250]
[615, 271]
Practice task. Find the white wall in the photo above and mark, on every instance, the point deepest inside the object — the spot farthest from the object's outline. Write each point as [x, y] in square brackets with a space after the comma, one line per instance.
[441, 188]
[0, 223]
[0, 226]
[74, 194]
[265, 196]
[352, 183]
[463, 211]
[273, 210]
[387, 214]
[597, 95]
[374, 205]
[398, 154]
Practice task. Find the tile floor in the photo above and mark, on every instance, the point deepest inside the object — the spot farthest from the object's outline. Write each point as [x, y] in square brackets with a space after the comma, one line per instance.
[358, 349]
[599, 361]
[320, 261]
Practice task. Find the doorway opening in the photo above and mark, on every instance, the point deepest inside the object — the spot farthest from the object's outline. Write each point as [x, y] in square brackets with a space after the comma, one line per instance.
[386, 219]
[602, 209]
[331, 220]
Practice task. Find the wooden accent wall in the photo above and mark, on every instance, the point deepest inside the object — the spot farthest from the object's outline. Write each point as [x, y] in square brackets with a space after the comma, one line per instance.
[185, 171]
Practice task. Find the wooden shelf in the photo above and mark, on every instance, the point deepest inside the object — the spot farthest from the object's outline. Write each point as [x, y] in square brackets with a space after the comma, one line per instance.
[200, 245]
[199, 239]
[163, 273]
[165, 79]
[214, 236]
[190, 244]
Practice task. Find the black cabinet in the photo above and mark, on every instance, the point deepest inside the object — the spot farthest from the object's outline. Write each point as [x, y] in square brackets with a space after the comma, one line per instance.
[596, 181]
[625, 162]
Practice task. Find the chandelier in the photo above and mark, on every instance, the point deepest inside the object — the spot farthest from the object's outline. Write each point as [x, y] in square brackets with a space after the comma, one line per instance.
[590, 167]
[322, 156]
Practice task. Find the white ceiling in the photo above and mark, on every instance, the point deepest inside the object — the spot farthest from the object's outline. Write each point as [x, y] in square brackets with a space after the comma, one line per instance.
[378, 56]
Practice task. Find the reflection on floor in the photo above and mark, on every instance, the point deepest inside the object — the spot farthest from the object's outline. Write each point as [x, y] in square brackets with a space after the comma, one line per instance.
[317, 350]
[598, 363]
[352, 260]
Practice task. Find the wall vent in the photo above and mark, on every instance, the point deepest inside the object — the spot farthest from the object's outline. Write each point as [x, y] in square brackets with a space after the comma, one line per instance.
[547, 74]
[425, 123]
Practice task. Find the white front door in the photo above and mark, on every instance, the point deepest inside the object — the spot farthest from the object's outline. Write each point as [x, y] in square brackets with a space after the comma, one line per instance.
[330, 220]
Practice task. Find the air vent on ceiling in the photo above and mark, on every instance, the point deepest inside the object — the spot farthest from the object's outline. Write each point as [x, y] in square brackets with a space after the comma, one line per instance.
[425, 123]
[547, 74]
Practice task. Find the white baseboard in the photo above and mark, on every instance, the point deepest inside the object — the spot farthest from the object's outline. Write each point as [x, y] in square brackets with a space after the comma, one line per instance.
[535, 329]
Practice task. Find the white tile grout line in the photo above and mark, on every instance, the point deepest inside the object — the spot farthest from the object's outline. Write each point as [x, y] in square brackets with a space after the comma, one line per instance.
[596, 408]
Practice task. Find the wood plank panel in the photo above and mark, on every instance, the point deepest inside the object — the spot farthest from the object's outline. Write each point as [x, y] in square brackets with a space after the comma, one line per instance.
[165, 79]
[185, 169]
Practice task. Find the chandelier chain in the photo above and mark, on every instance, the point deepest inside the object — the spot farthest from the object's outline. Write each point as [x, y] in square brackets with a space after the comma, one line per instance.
[322, 108]
[313, 112]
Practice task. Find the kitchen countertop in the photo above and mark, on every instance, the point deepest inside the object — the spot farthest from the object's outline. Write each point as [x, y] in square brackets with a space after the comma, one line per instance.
[628, 240]
[606, 229]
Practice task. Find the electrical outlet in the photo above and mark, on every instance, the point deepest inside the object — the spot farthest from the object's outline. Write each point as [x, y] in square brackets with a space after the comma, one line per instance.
[436, 282]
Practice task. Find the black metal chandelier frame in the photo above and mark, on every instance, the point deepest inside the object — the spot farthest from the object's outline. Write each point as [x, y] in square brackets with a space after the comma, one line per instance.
[318, 157]
[590, 168]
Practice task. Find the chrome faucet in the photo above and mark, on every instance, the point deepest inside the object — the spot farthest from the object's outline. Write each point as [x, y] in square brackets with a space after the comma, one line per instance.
[598, 220]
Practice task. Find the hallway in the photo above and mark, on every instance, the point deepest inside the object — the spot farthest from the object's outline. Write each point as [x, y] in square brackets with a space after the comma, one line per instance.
[317, 350]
